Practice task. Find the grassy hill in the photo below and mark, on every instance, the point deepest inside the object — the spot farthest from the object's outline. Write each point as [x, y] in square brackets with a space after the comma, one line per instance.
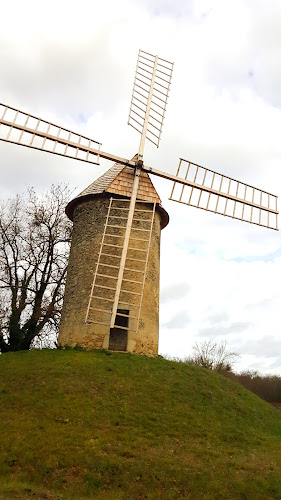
[95, 425]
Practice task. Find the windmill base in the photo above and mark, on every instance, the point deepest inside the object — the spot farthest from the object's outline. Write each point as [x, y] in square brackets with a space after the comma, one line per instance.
[90, 341]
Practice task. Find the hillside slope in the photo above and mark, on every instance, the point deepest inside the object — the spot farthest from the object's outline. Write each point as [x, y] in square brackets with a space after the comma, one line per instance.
[83, 425]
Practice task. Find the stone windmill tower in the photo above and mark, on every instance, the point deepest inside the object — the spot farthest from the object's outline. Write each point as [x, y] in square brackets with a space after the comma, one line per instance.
[99, 223]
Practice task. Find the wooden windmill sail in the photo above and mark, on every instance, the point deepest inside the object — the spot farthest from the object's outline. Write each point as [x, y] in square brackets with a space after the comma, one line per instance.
[128, 180]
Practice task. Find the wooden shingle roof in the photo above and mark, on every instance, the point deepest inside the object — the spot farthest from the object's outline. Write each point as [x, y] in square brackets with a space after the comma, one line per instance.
[118, 180]
[101, 184]
[123, 182]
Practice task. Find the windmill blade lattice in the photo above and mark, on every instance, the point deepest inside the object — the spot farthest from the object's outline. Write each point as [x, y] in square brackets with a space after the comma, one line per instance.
[28, 130]
[201, 187]
[150, 96]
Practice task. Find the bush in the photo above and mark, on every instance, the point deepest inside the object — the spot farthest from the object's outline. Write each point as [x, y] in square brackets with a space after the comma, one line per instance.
[213, 355]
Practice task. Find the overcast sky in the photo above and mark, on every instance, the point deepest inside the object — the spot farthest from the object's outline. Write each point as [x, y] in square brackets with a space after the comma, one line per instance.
[74, 63]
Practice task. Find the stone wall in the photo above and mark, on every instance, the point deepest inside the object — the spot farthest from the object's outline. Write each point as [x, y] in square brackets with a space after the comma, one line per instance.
[88, 227]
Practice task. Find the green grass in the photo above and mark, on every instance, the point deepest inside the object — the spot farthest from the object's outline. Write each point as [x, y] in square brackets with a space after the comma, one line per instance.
[95, 425]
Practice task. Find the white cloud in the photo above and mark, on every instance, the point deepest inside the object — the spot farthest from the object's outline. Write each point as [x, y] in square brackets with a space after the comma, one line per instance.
[181, 320]
[174, 292]
[223, 330]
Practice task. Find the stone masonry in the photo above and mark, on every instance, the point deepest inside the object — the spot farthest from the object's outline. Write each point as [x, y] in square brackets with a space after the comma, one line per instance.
[88, 212]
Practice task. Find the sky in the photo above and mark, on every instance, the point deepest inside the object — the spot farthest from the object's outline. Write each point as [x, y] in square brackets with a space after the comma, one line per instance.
[74, 64]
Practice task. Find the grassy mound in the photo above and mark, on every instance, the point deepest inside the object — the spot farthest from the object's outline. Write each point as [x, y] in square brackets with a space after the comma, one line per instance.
[95, 425]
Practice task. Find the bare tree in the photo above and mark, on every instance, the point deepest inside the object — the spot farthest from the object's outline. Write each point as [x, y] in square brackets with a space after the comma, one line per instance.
[213, 355]
[34, 248]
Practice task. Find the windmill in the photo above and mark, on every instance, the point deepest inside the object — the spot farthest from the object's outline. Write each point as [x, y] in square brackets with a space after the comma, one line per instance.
[113, 274]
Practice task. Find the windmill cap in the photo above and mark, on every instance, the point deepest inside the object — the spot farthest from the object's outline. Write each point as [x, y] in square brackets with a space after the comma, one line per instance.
[118, 180]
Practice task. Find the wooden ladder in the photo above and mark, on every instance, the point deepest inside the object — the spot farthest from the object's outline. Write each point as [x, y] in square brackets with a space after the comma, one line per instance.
[104, 286]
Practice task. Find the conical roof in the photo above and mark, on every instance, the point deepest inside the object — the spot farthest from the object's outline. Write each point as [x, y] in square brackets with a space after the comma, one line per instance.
[118, 180]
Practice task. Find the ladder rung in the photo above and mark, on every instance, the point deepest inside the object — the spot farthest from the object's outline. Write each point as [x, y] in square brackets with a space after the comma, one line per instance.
[118, 217]
[123, 315]
[107, 287]
[126, 316]
[140, 210]
[136, 306]
[132, 281]
[124, 328]
[128, 291]
[106, 276]
[110, 255]
[101, 298]
[136, 260]
[133, 270]
[114, 225]
[110, 245]
[140, 229]
[107, 265]
[118, 208]
[96, 322]
[137, 249]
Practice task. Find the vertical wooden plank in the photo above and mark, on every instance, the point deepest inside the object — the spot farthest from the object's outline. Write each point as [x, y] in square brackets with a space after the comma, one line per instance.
[125, 245]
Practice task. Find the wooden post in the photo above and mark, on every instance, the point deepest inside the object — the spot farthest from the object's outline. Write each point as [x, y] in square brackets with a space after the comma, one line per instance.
[125, 245]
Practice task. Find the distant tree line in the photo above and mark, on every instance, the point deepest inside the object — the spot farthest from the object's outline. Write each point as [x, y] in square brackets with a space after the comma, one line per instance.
[217, 356]
[267, 387]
